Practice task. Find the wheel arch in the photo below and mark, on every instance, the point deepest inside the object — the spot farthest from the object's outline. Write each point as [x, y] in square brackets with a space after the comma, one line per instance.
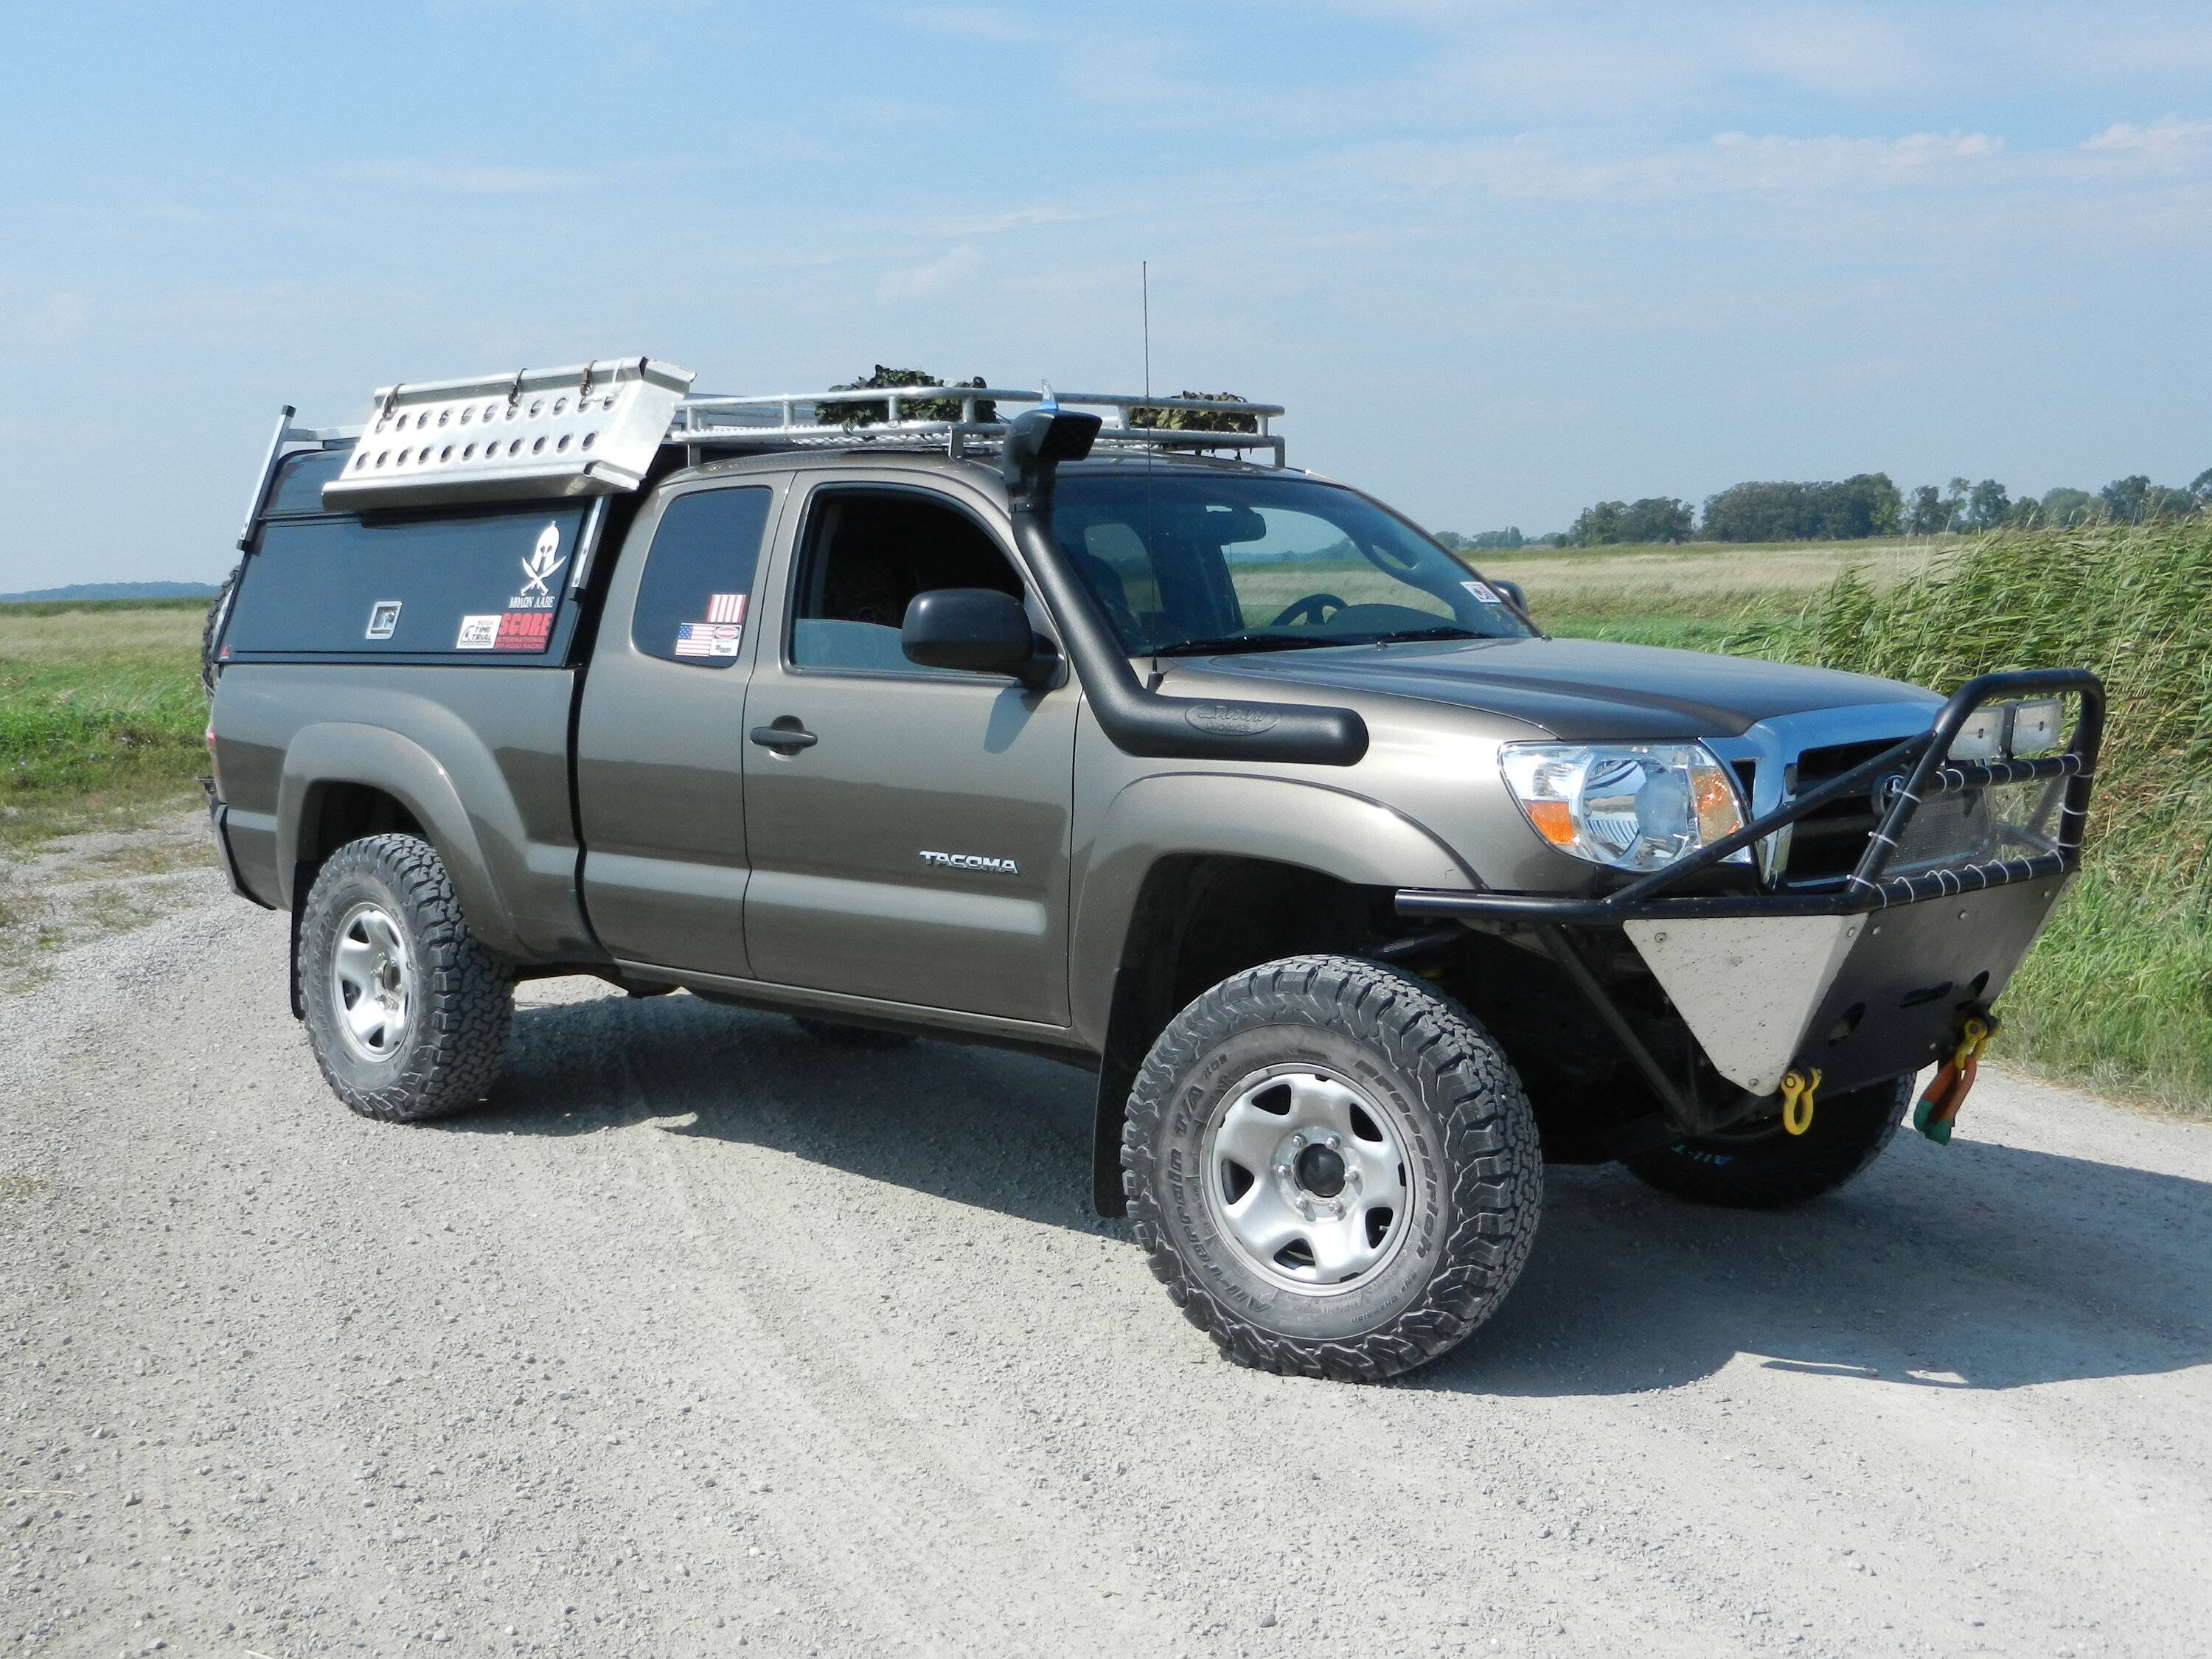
[1193, 876]
[1160, 827]
[343, 781]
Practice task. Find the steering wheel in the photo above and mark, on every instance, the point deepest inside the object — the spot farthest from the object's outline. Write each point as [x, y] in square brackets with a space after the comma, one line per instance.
[1311, 607]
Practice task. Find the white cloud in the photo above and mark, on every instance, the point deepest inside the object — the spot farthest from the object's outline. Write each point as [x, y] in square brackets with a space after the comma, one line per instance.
[2164, 141]
[950, 269]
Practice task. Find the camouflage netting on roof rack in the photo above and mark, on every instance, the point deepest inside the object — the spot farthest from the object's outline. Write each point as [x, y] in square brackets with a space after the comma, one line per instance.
[867, 412]
[1196, 420]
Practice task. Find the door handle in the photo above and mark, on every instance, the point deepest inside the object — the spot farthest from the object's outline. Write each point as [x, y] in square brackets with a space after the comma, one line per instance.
[793, 737]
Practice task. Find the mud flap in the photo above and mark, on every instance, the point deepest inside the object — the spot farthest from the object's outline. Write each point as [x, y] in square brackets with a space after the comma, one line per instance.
[1863, 997]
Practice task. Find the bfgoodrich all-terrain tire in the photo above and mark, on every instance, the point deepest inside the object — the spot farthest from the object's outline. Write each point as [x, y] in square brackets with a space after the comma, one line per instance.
[1763, 1167]
[406, 1012]
[1333, 1169]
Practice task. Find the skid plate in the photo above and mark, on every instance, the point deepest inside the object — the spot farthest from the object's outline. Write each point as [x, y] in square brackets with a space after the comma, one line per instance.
[1861, 997]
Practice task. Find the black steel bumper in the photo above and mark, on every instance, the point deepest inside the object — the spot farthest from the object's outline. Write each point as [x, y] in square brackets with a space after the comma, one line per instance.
[1866, 981]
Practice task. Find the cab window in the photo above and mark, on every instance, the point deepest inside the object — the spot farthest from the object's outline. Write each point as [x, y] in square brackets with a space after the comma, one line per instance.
[698, 581]
[867, 553]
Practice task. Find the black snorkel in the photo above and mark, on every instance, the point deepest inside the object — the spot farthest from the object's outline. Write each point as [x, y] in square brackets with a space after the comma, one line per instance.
[1138, 722]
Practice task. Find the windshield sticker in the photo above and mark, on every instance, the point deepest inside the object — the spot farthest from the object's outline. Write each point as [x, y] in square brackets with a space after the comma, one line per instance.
[524, 630]
[708, 639]
[478, 632]
[726, 608]
[540, 566]
[1483, 593]
[383, 619]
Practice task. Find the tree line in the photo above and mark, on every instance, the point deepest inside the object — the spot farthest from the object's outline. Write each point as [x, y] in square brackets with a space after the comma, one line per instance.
[1864, 505]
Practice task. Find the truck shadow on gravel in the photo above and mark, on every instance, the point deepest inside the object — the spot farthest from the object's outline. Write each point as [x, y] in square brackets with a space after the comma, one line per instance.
[1977, 1267]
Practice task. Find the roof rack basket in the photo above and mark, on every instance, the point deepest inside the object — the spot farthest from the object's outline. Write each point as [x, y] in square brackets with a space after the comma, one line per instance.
[796, 420]
[593, 428]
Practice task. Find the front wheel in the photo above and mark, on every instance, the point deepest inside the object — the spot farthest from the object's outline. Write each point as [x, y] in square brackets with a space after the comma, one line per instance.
[1761, 1166]
[406, 1011]
[1332, 1168]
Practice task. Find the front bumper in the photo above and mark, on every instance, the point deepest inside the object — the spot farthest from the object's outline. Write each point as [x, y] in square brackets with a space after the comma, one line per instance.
[1868, 981]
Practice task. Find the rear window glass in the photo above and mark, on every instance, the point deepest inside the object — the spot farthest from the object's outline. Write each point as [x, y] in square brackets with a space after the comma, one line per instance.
[485, 586]
[698, 581]
[299, 479]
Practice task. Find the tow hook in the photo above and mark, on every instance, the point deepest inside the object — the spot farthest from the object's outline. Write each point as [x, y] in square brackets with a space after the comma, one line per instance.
[1797, 1090]
[1954, 1079]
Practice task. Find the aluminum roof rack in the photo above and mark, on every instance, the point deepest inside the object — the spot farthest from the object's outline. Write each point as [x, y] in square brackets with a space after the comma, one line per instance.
[794, 420]
[593, 428]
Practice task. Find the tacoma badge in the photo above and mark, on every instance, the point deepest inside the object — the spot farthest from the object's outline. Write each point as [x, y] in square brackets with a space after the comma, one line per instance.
[971, 862]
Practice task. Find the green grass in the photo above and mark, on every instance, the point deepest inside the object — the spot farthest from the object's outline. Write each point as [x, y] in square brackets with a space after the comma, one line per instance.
[100, 712]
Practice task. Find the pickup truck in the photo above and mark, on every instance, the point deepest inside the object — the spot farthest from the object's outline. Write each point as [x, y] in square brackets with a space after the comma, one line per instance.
[1088, 726]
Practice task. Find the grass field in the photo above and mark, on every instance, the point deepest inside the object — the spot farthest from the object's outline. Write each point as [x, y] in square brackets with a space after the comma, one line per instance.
[101, 713]
[100, 721]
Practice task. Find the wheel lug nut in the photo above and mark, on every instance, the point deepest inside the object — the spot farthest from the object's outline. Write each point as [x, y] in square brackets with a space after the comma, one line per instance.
[1298, 1140]
[1331, 1141]
[1283, 1171]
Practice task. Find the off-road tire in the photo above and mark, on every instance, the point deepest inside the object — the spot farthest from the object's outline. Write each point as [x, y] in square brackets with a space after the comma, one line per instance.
[454, 1039]
[862, 1037]
[1472, 1158]
[1769, 1168]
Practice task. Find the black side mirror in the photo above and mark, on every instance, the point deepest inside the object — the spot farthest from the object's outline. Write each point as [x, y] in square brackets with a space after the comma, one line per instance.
[1511, 590]
[976, 630]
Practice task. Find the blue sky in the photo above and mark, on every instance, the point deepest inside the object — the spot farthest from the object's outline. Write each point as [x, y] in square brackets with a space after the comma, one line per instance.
[1501, 260]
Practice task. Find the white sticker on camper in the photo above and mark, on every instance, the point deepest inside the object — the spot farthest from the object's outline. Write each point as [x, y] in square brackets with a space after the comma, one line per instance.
[383, 619]
[478, 632]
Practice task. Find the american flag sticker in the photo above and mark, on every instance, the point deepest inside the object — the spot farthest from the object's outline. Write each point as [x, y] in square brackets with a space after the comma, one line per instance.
[726, 608]
[709, 638]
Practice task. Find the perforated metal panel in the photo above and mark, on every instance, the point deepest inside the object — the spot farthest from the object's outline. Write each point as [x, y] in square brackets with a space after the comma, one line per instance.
[537, 434]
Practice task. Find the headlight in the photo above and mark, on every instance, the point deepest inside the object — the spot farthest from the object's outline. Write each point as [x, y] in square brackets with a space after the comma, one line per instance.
[1629, 805]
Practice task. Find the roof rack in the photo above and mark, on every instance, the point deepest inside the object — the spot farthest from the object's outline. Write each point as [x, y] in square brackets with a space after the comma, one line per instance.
[593, 428]
[793, 420]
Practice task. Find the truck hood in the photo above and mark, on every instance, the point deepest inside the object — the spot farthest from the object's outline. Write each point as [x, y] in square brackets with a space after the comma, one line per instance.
[1581, 691]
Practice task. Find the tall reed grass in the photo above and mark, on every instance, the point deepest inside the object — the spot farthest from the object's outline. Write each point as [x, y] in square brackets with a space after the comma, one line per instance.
[2118, 992]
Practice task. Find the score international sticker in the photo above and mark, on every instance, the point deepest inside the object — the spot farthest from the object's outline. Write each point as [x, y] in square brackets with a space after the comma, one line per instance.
[478, 632]
[524, 630]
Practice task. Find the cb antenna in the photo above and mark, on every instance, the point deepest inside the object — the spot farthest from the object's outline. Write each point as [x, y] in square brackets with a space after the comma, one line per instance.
[1145, 289]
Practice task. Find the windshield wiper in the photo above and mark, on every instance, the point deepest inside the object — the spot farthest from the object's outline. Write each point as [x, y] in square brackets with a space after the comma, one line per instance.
[1226, 643]
[1408, 635]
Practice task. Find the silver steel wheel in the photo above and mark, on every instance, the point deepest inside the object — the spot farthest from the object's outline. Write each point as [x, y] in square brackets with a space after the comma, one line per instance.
[371, 981]
[1305, 1178]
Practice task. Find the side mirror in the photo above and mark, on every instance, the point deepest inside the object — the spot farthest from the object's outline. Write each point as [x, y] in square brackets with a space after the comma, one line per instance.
[1511, 590]
[976, 630]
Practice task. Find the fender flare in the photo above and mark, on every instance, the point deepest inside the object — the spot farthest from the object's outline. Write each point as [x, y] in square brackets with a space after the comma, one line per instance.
[378, 758]
[1291, 821]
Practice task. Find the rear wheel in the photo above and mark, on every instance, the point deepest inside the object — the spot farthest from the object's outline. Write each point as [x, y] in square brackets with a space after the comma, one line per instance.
[1332, 1168]
[406, 1010]
[1764, 1167]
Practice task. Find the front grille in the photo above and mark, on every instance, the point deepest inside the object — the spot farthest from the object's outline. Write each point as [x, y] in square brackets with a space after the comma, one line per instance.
[1826, 844]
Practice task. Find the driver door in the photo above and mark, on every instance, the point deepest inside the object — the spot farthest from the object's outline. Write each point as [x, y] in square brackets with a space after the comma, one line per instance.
[908, 827]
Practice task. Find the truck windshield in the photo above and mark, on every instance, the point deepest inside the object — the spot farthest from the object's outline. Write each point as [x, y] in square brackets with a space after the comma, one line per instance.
[1185, 561]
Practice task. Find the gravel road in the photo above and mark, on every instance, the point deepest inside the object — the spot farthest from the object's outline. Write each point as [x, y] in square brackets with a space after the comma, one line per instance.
[704, 1336]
